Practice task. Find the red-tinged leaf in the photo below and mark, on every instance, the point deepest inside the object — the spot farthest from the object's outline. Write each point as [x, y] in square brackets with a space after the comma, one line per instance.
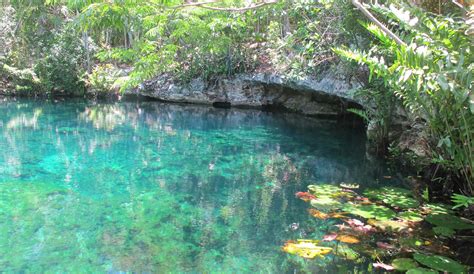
[354, 222]
[342, 227]
[330, 237]
[385, 245]
[383, 266]
[305, 196]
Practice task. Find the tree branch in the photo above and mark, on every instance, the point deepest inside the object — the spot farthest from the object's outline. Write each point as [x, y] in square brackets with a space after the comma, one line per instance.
[372, 18]
[204, 5]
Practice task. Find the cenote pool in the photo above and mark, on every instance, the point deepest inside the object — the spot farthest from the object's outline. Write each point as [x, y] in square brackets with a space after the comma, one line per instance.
[154, 187]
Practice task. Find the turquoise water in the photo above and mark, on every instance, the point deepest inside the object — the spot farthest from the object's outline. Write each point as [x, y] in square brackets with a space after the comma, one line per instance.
[153, 187]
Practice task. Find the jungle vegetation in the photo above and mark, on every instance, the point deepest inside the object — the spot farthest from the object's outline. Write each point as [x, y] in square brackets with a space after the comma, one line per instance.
[84, 47]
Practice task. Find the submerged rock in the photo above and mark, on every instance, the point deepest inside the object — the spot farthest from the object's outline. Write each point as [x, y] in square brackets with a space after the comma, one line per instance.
[330, 95]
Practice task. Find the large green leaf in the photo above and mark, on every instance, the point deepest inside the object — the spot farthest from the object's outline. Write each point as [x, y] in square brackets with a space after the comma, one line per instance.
[393, 196]
[403, 264]
[450, 221]
[421, 270]
[443, 231]
[370, 211]
[440, 263]
[325, 203]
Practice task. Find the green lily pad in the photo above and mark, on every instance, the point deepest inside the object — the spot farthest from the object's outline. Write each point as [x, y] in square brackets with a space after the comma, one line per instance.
[393, 196]
[403, 264]
[370, 211]
[449, 221]
[440, 263]
[443, 231]
[410, 216]
[421, 270]
[325, 203]
[346, 252]
[324, 189]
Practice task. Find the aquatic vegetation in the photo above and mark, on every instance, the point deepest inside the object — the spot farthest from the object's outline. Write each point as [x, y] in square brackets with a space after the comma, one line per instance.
[326, 204]
[440, 263]
[389, 233]
[404, 264]
[306, 248]
[383, 266]
[344, 251]
[412, 216]
[348, 239]
[369, 211]
[305, 196]
[421, 270]
[449, 221]
[393, 196]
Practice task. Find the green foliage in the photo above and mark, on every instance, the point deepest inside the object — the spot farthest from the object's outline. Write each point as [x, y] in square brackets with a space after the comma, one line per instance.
[370, 211]
[403, 264]
[393, 196]
[462, 201]
[450, 221]
[25, 81]
[61, 68]
[432, 76]
[440, 263]
[102, 78]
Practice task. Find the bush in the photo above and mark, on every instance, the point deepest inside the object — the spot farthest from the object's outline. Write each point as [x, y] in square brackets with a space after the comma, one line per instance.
[62, 67]
[101, 81]
[433, 76]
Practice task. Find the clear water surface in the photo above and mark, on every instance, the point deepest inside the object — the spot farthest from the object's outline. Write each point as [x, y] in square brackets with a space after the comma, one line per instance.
[153, 187]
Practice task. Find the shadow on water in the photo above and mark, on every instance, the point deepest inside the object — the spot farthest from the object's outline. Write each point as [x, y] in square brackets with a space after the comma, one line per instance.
[155, 187]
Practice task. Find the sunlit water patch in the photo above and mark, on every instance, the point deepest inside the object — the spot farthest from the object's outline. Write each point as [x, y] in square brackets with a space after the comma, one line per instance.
[152, 187]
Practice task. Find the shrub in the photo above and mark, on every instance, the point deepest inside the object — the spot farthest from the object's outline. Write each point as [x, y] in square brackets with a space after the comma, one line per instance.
[432, 76]
[61, 69]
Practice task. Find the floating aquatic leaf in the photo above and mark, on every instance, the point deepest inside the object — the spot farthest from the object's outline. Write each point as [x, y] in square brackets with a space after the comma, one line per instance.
[346, 252]
[359, 226]
[363, 200]
[323, 216]
[444, 231]
[329, 237]
[338, 215]
[421, 270]
[324, 189]
[355, 222]
[318, 214]
[389, 224]
[440, 263]
[350, 186]
[305, 196]
[306, 248]
[348, 239]
[383, 266]
[393, 196]
[370, 211]
[326, 203]
[449, 221]
[410, 216]
[403, 264]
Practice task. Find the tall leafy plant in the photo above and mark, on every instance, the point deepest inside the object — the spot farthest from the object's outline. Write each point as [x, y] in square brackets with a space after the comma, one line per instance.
[432, 74]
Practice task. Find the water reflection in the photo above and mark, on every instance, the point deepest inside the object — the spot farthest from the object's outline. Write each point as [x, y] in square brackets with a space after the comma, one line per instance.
[151, 187]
